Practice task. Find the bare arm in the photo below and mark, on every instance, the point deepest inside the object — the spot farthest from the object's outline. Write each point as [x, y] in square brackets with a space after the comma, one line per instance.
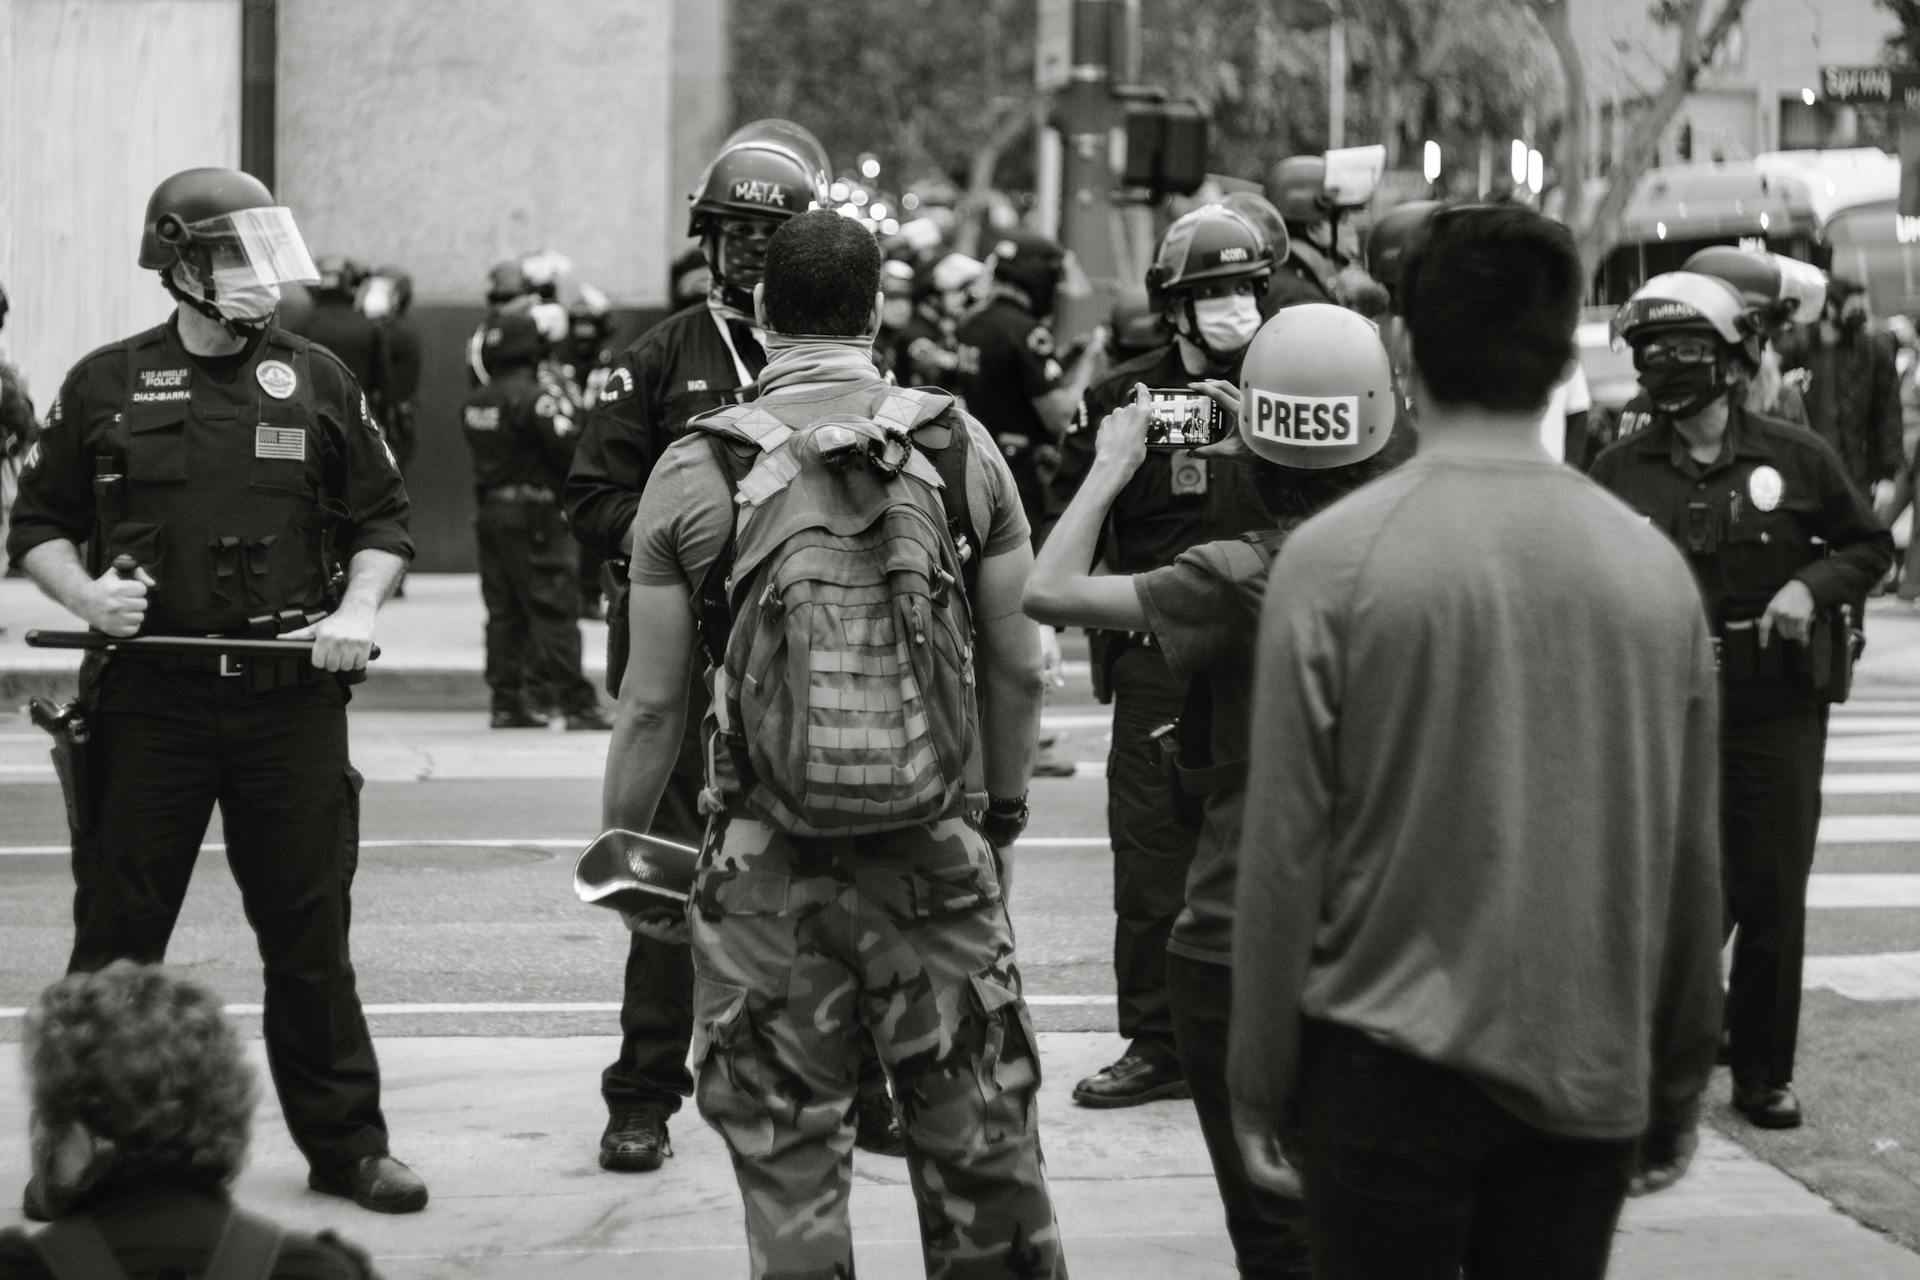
[1011, 679]
[652, 714]
[1062, 590]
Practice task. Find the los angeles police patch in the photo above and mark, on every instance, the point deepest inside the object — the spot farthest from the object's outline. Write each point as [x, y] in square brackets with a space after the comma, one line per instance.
[1766, 487]
[619, 384]
[276, 378]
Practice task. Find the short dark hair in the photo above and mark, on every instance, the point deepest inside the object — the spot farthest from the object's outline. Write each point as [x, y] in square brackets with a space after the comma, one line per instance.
[822, 272]
[1491, 297]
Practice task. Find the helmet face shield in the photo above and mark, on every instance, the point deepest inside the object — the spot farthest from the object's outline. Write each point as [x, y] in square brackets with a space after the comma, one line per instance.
[247, 249]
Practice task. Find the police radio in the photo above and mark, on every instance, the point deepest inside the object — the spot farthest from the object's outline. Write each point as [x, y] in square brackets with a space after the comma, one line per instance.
[1182, 419]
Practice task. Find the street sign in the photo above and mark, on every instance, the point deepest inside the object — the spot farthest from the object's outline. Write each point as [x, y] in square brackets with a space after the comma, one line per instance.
[1870, 87]
[1053, 46]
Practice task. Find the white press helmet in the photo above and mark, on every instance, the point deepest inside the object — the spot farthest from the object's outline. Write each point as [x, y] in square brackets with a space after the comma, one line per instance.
[1316, 389]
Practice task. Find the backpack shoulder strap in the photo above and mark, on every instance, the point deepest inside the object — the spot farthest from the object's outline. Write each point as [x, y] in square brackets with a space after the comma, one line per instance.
[910, 408]
[74, 1249]
[249, 1246]
[712, 611]
[951, 462]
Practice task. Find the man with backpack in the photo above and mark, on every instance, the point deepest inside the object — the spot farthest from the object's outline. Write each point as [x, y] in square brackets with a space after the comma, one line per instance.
[850, 557]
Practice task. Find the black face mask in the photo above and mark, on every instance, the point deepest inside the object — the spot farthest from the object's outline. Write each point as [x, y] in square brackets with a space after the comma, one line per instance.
[1851, 322]
[1681, 391]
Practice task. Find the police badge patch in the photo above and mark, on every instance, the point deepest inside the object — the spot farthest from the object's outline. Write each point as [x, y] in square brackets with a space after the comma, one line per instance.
[1765, 488]
[619, 384]
[276, 378]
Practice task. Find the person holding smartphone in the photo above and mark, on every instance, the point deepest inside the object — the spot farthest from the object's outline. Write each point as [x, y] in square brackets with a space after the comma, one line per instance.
[1202, 611]
[1206, 281]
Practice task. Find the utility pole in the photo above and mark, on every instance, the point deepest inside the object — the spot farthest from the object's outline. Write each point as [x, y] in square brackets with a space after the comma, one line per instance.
[1337, 80]
[1085, 112]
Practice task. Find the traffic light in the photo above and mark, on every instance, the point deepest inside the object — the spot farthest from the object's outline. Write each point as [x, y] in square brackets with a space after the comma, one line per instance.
[1166, 147]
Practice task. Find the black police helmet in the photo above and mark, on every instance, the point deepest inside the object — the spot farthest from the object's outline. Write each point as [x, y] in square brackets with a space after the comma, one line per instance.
[1136, 326]
[756, 178]
[1029, 261]
[1392, 236]
[1298, 189]
[190, 196]
[339, 274]
[402, 286]
[1209, 244]
[511, 337]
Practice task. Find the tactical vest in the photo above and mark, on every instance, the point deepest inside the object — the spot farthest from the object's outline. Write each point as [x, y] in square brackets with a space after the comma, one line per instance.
[223, 496]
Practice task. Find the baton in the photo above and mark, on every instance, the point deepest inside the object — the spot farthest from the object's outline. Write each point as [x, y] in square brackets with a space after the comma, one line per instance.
[237, 647]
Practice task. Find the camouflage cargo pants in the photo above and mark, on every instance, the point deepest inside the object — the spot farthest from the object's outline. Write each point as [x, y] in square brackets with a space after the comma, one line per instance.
[798, 945]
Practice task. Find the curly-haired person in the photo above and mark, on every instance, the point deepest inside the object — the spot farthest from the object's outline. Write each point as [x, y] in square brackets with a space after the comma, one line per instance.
[142, 1108]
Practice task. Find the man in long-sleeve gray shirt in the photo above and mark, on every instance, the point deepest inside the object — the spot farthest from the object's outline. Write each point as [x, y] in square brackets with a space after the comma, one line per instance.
[1478, 912]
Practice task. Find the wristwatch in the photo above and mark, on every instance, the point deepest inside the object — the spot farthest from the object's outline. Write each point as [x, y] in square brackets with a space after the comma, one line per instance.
[1004, 820]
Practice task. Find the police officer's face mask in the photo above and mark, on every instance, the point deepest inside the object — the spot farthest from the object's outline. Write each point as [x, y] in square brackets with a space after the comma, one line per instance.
[1226, 325]
[1681, 375]
[238, 295]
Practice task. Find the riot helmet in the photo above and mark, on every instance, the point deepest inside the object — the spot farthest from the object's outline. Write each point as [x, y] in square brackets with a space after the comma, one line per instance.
[506, 281]
[339, 275]
[897, 289]
[953, 278]
[514, 337]
[765, 173]
[1031, 263]
[222, 246]
[589, 322]
[1691, 337]
[1777, 290]
[1391, 237]
[386, 293]
[1136, 326]
[1298, 189]
[1212, 266]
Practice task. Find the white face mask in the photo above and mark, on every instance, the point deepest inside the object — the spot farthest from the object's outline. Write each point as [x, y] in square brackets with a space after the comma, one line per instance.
[1226, 325]
[237, 295]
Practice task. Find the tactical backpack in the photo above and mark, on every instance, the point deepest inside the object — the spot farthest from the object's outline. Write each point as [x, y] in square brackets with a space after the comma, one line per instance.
[836, 620]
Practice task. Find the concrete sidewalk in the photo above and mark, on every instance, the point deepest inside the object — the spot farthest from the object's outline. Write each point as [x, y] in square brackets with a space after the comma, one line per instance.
[505, 1133]
[433, 651]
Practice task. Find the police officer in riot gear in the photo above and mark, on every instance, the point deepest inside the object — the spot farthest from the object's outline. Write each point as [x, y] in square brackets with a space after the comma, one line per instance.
[239, 468]
[1780, 541]
[1009, 374]
[1206, 282]
[696, 360]
[521, 430]
[1298, 189]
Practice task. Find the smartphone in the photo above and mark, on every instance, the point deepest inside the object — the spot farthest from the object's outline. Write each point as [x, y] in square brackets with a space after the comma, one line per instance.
[1183, 419]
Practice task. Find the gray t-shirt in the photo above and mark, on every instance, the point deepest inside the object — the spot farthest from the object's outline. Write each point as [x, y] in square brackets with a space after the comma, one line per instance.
[1204, 609]
[1482, 819]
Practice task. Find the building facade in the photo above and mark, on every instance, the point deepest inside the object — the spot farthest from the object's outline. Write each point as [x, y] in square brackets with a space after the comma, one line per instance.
[438, 135]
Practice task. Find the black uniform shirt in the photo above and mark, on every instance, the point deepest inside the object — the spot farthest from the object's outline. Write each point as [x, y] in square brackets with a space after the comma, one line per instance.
[676, 371]
[1006, 362]
[923, 354]
[56, 481]
[1747, 521]
[360, 343]
[1172, 502]
[520, 431]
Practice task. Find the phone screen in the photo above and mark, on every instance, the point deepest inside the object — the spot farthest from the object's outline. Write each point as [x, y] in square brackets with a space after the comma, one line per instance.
[1182, 419]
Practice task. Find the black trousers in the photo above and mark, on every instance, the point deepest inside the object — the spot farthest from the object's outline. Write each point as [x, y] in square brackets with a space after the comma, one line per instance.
[656, 1004]
[1269, 1232]
[1770, 773]
[169, 746]
[1152, 848]
[529, 581]
[1410, 1172]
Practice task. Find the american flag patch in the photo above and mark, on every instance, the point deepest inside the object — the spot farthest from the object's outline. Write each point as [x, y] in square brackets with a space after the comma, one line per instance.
[280, 442]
